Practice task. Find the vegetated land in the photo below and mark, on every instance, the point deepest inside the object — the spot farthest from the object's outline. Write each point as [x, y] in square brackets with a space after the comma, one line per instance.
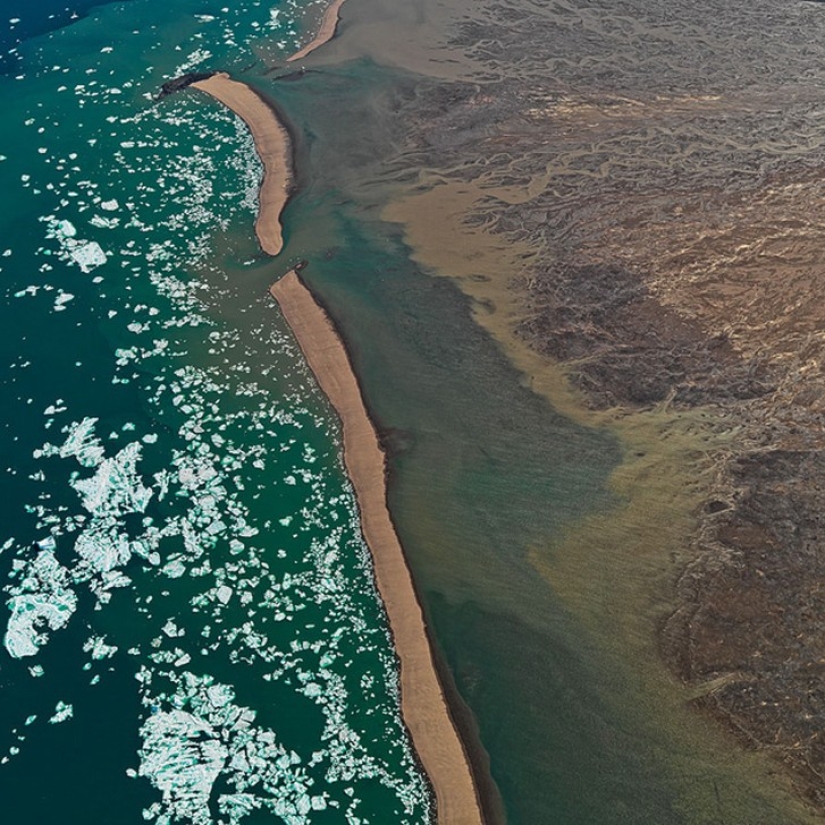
[667, 165]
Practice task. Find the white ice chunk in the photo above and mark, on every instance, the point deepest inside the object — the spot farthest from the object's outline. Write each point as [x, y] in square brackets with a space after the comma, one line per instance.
[116, 488]
[88, 255]
[62, 712]
[182, 757]
[42, 599]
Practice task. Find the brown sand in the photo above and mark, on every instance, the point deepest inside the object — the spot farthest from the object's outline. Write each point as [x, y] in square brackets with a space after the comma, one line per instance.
[327, 31]
[273, 147]
[423, 705]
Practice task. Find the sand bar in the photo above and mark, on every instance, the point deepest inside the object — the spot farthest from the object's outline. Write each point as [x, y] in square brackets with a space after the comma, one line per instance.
[329, 24]
[273, 146]
[423, 705]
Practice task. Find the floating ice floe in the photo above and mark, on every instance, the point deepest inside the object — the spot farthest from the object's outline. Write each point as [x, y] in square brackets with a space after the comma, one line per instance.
[88, 255]
[62, 299]
[96, 645]
[115, 488]
[182, 756]
[82, 443]
[62, 712]
[104, 223]
[203, 736]
[43, 599]
[47, 543]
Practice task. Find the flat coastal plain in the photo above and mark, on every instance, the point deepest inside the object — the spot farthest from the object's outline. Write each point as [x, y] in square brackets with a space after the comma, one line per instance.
[630, 196]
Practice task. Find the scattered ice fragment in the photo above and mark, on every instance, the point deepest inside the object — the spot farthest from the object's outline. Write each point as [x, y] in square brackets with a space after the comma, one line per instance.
[82, 443]
[115, 489]
[43, 598]
[182, 756]
[66, 229]
[174, 569]
[96, 645]
[62, 299]
[88, 256]
[63, 711]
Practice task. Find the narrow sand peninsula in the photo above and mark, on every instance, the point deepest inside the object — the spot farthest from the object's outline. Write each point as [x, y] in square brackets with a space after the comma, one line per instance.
[325, 33]
[422, 701]
[273, 146]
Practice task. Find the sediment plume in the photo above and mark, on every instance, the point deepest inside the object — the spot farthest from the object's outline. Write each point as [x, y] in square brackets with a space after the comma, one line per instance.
[423, 706]
[272, 144]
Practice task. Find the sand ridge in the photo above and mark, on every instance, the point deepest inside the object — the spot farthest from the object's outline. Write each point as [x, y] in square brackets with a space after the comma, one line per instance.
[273, 146]
[326, 32]
[423, 704]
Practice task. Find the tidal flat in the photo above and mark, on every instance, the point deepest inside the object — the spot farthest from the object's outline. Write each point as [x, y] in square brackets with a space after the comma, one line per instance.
[614, 528]
[570, 249]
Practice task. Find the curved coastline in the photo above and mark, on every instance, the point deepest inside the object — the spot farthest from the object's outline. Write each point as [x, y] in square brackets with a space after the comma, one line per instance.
[423, 704]
[273, 145]
[424, 707]
[329, 23]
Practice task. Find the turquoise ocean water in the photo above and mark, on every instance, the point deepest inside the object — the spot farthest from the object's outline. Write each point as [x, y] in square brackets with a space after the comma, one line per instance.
[190, 632]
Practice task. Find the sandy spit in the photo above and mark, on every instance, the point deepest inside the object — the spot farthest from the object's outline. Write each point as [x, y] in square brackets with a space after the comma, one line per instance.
[423, 705]
[327, 31]
[273, 146]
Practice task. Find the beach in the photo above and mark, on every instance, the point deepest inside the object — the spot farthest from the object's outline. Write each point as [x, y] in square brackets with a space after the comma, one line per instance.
[273, 147]
[423, 706]
[326, 31]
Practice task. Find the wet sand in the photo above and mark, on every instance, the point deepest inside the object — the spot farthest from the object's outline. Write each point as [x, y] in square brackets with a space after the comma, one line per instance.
[326, 32]
[423, 704]
[273, 146]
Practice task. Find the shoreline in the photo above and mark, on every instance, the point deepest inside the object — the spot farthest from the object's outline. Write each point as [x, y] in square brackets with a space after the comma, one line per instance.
[424, 707]
[273, 145]
[329, 23]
